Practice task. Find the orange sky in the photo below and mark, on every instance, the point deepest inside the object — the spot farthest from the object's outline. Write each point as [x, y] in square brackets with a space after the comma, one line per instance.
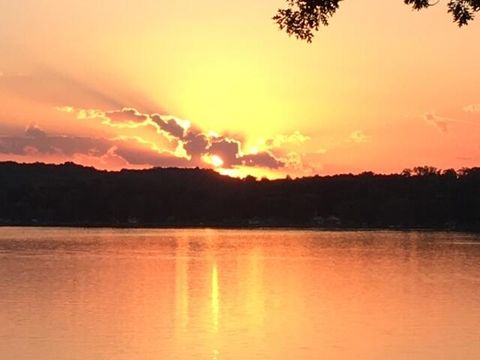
[135, 84]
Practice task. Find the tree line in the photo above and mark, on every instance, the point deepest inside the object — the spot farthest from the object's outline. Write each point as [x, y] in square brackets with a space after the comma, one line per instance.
[69, 194]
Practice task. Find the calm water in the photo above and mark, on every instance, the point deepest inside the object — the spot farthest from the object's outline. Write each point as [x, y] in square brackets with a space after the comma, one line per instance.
[208, 294]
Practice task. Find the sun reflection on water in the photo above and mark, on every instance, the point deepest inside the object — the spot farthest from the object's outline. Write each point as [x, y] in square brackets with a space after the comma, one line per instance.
[215, 298]
[210, 294]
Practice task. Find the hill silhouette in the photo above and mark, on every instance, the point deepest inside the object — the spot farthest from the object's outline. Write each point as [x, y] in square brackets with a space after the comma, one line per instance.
[73, 195]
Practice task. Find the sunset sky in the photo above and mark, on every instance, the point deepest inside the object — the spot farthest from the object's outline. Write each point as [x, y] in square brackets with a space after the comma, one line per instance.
[135, 84]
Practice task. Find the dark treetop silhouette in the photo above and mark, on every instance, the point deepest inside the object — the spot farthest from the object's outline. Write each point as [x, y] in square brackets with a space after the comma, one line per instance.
[73, 195]
[302, 17]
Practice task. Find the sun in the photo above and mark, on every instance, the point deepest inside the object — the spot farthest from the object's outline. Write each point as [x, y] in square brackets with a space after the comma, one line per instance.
[216, 161]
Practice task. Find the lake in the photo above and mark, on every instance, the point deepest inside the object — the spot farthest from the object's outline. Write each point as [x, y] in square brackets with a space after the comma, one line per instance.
[238, 294]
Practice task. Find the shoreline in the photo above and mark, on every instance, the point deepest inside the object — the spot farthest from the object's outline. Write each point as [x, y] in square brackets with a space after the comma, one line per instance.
[288, 227]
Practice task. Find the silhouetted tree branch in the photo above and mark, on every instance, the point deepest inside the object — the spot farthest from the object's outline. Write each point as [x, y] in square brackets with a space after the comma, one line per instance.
[302, 17]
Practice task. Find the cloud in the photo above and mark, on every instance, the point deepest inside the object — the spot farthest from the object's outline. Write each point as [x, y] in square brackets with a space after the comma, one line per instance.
[35, 140]
[86, 114]
[473, 108]
[131, 151]
[296, 138]
[34, 131]
[126, 115]
[227, 149]
[150, 157]
[66, 109]
[193, 145]
[230, 152]
[263, 159]
[439, 122]
[169, 125]
[358, 137]
[444, 124]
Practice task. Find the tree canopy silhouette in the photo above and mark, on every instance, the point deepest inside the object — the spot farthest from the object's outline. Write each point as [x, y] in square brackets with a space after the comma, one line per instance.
[302, 17]
[72, 195]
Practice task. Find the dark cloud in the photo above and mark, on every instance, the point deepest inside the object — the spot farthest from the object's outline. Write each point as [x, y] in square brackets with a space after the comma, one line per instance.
[171, 126]
[227, 149]
[36, 140]
[145, 156]
[263, 159]
[34, 131]
[195, 143]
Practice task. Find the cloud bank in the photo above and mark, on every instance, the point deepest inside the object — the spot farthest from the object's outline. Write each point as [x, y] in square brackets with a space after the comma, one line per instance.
[188, 145]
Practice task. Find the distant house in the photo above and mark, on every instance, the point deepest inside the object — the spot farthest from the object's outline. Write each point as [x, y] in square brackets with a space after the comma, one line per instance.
[254, 222]
[333, 221]
[132, 221]
[318, 220]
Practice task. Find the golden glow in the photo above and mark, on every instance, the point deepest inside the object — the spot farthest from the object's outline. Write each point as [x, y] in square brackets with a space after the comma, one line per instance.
[213, 160]
[235, 91]
[248, 82]
[215, 298]
[185, 124]
[251, 295]
[243, 172]
[217, 161]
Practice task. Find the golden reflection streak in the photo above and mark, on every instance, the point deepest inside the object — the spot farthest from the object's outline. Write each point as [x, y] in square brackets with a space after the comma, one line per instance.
[215, 298]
